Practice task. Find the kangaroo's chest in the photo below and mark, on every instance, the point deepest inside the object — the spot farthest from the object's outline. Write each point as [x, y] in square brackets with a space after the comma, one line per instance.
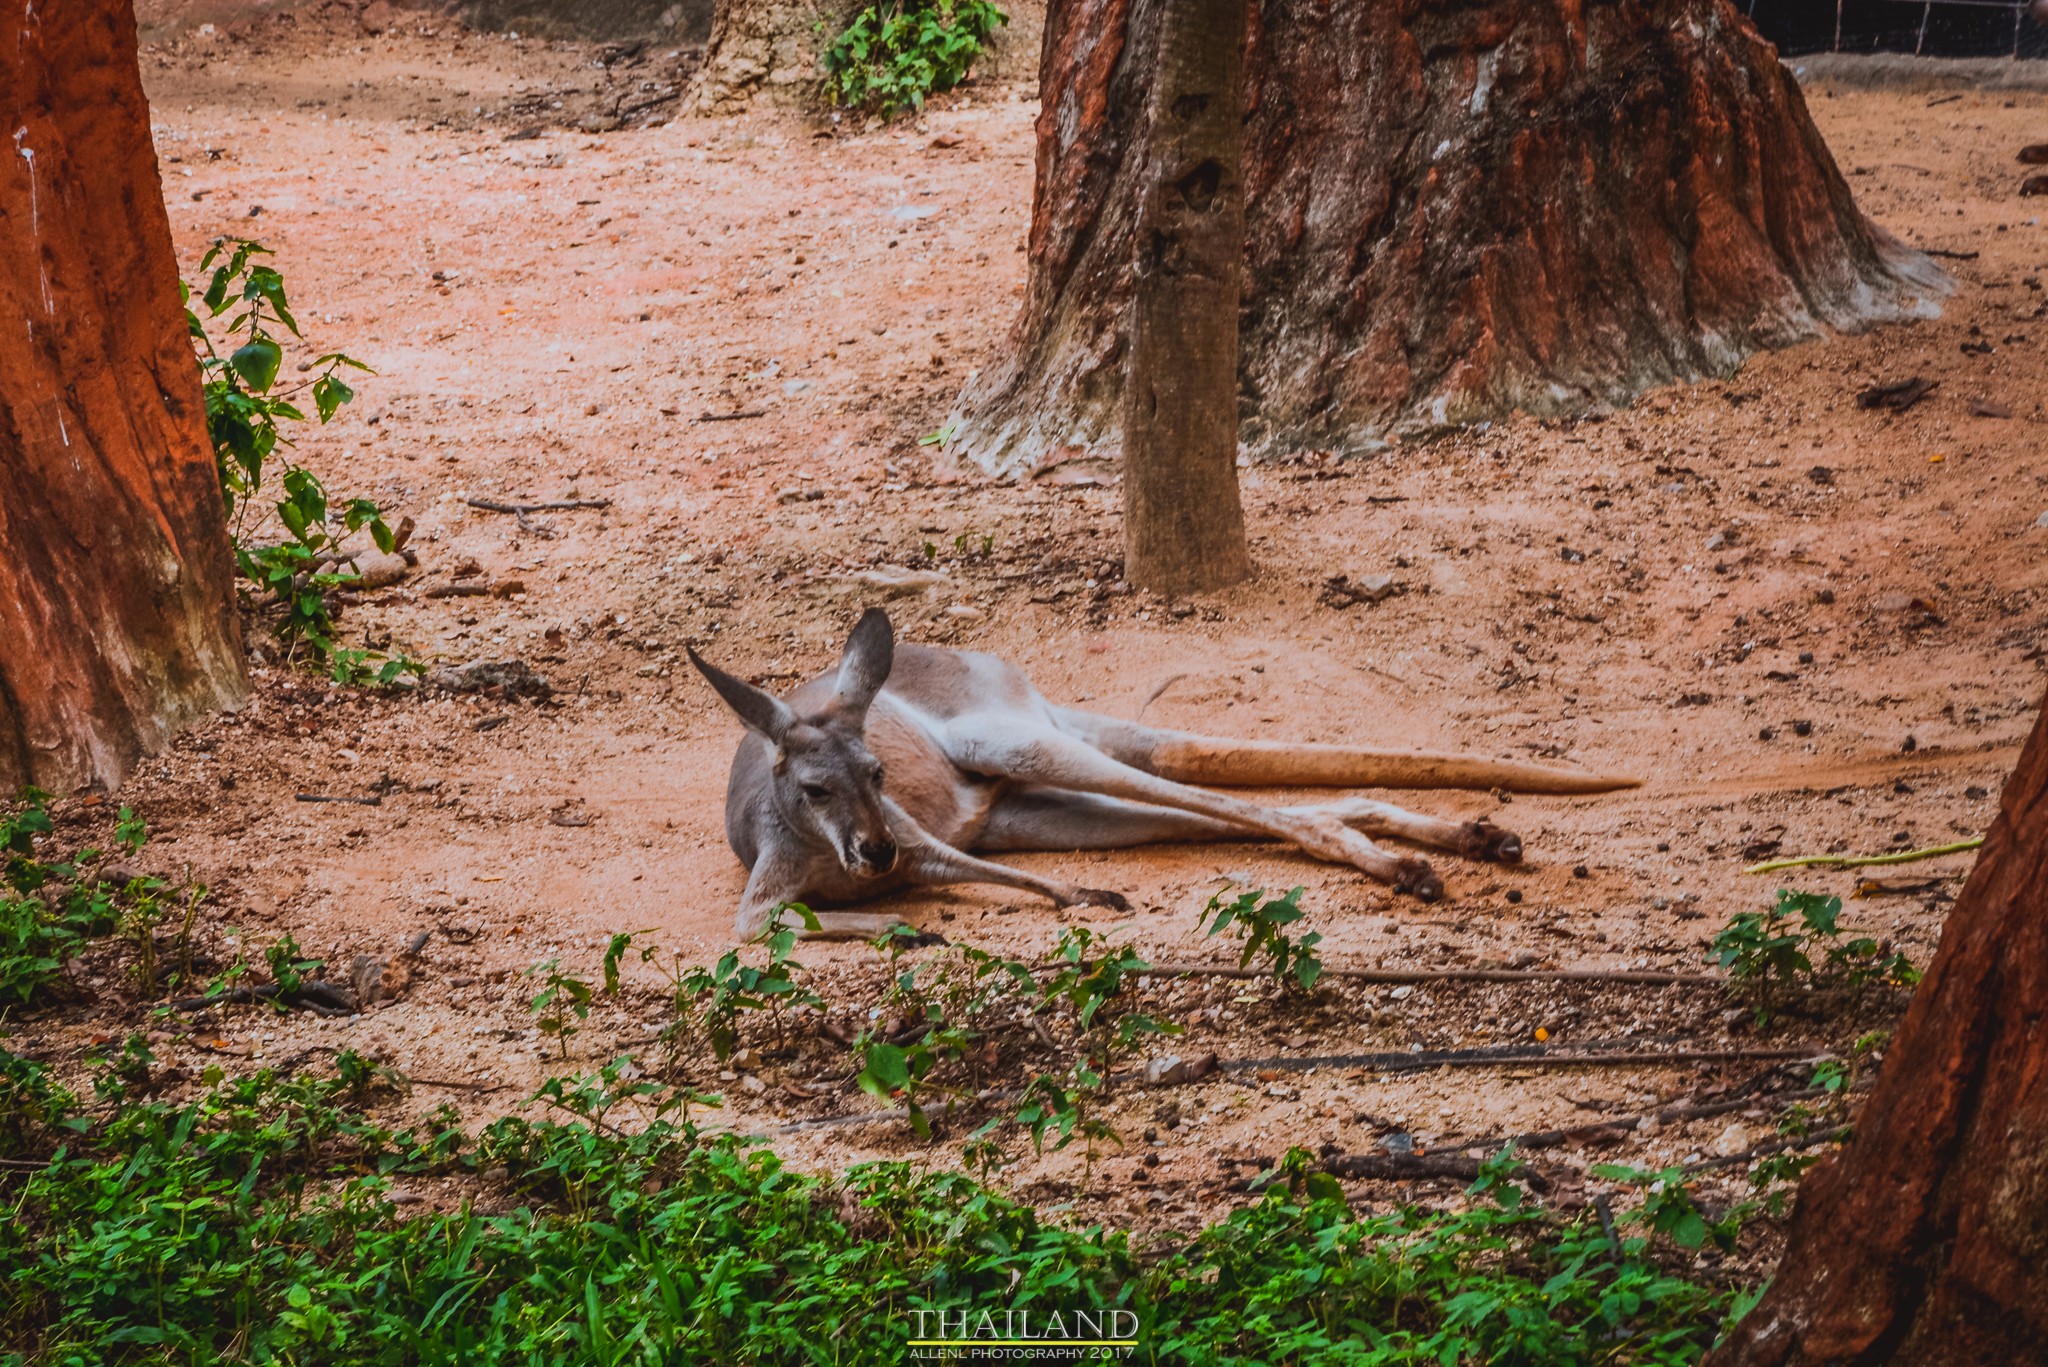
[949, 803]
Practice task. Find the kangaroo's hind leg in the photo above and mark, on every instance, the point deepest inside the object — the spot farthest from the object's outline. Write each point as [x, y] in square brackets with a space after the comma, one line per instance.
[998, 745]
[1038, 818]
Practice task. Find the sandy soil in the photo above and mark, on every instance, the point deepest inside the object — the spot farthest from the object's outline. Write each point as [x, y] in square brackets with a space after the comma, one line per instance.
[1810, 627]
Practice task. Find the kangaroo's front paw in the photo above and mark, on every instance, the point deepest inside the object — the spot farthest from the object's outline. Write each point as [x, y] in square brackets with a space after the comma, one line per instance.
[1416, 876]
[1484, 840]
[1097, 897]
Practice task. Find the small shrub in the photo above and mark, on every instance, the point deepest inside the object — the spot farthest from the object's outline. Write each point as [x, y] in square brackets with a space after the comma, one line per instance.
[244, 410]
[1799, 940]
[895, 53]
[1295, 963]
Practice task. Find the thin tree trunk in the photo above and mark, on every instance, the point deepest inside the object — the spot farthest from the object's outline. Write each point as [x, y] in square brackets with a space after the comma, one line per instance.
[1183, 520]
[117, 620]
[1925, 1243]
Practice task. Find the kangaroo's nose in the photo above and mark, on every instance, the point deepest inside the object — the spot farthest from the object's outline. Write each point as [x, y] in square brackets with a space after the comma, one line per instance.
[880, 855]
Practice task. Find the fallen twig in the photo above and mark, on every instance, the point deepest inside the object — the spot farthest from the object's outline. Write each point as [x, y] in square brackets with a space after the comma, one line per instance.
[459, 591]
[375, 800]
[1515, 1056]
[1644, 977]
[319, 998]
[458, 1086]
[730, 417]
[558, 505]
[1860, 861]
[1621, 1125]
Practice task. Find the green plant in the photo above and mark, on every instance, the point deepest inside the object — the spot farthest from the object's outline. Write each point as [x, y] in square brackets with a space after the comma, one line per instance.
[719, 995]
[244, 410]
[1670, 1209]
[942, 1005]
[1295, 963]
[561, 996]
[896, 53]
[1777, 948]
[288, 965]
[51, 908]
[1087, 983]
[255, 1223]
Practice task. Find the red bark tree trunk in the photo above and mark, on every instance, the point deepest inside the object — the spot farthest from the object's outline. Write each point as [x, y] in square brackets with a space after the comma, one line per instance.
[1925, 1242]
[117, 619]
[1453, 210]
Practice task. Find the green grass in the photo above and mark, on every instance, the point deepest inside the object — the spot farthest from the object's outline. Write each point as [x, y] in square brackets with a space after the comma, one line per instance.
[254, 1224]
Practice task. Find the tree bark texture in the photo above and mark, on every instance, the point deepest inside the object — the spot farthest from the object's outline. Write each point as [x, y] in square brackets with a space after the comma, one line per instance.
[117, 620]
[1454, 209]
[767, 46]
[1925, 1241]
[1183, 519]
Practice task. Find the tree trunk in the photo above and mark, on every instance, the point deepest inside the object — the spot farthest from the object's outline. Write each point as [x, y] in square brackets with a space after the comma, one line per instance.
[764, 45]
[1925, 1242]
[117, 620]
[1453, 211]
[1183, 520]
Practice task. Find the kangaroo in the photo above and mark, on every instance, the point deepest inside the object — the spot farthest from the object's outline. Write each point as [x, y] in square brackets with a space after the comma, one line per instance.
[887, 771]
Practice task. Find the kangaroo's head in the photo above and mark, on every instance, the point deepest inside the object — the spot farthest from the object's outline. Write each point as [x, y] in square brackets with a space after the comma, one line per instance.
[826, 784]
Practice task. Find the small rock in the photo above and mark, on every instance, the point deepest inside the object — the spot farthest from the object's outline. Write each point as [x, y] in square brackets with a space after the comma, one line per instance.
[514, 677]
[1717, 541]
[964, 613]
[505, 588]
[366, 979]
[1802, 728]
[1649, 1125]
[1821, 474]
[377, 570]
[1402, 993]
[1988, 408]
[1733, 1140]
[1399, 1142]
[746, 1059]
[752, 1084]
[590, 410]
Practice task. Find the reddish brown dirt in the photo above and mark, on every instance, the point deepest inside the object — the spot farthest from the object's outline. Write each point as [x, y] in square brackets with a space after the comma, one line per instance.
[550, 316]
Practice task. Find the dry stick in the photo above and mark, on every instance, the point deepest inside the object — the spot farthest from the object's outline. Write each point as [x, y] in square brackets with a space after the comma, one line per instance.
[372, 801]
[1620, 1125]
[1860, 861]
[730, 417]
[1455, 1058]
[1460, 975]
[316, 997]
[491, 505]
[1517, 1058]
[459, 591]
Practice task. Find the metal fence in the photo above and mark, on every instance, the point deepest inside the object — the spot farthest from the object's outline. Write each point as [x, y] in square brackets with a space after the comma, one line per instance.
[1943, 28]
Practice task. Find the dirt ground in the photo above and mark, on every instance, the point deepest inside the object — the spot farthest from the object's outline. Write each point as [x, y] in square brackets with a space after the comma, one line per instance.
[1809, 627]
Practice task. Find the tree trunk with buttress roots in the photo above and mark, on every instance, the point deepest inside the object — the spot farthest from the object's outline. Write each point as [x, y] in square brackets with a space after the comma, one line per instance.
[1924, 1243]
[117, 621]
[1454, 209]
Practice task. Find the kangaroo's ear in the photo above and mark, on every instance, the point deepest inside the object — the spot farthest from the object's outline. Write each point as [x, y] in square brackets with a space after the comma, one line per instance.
[761, 710]
[864, 665]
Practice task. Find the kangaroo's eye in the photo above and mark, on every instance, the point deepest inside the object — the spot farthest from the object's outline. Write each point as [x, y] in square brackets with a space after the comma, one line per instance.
[816, 793]
[878, 775]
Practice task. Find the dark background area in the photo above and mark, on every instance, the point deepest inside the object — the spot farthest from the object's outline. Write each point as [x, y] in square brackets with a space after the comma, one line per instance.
[1953, 28]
